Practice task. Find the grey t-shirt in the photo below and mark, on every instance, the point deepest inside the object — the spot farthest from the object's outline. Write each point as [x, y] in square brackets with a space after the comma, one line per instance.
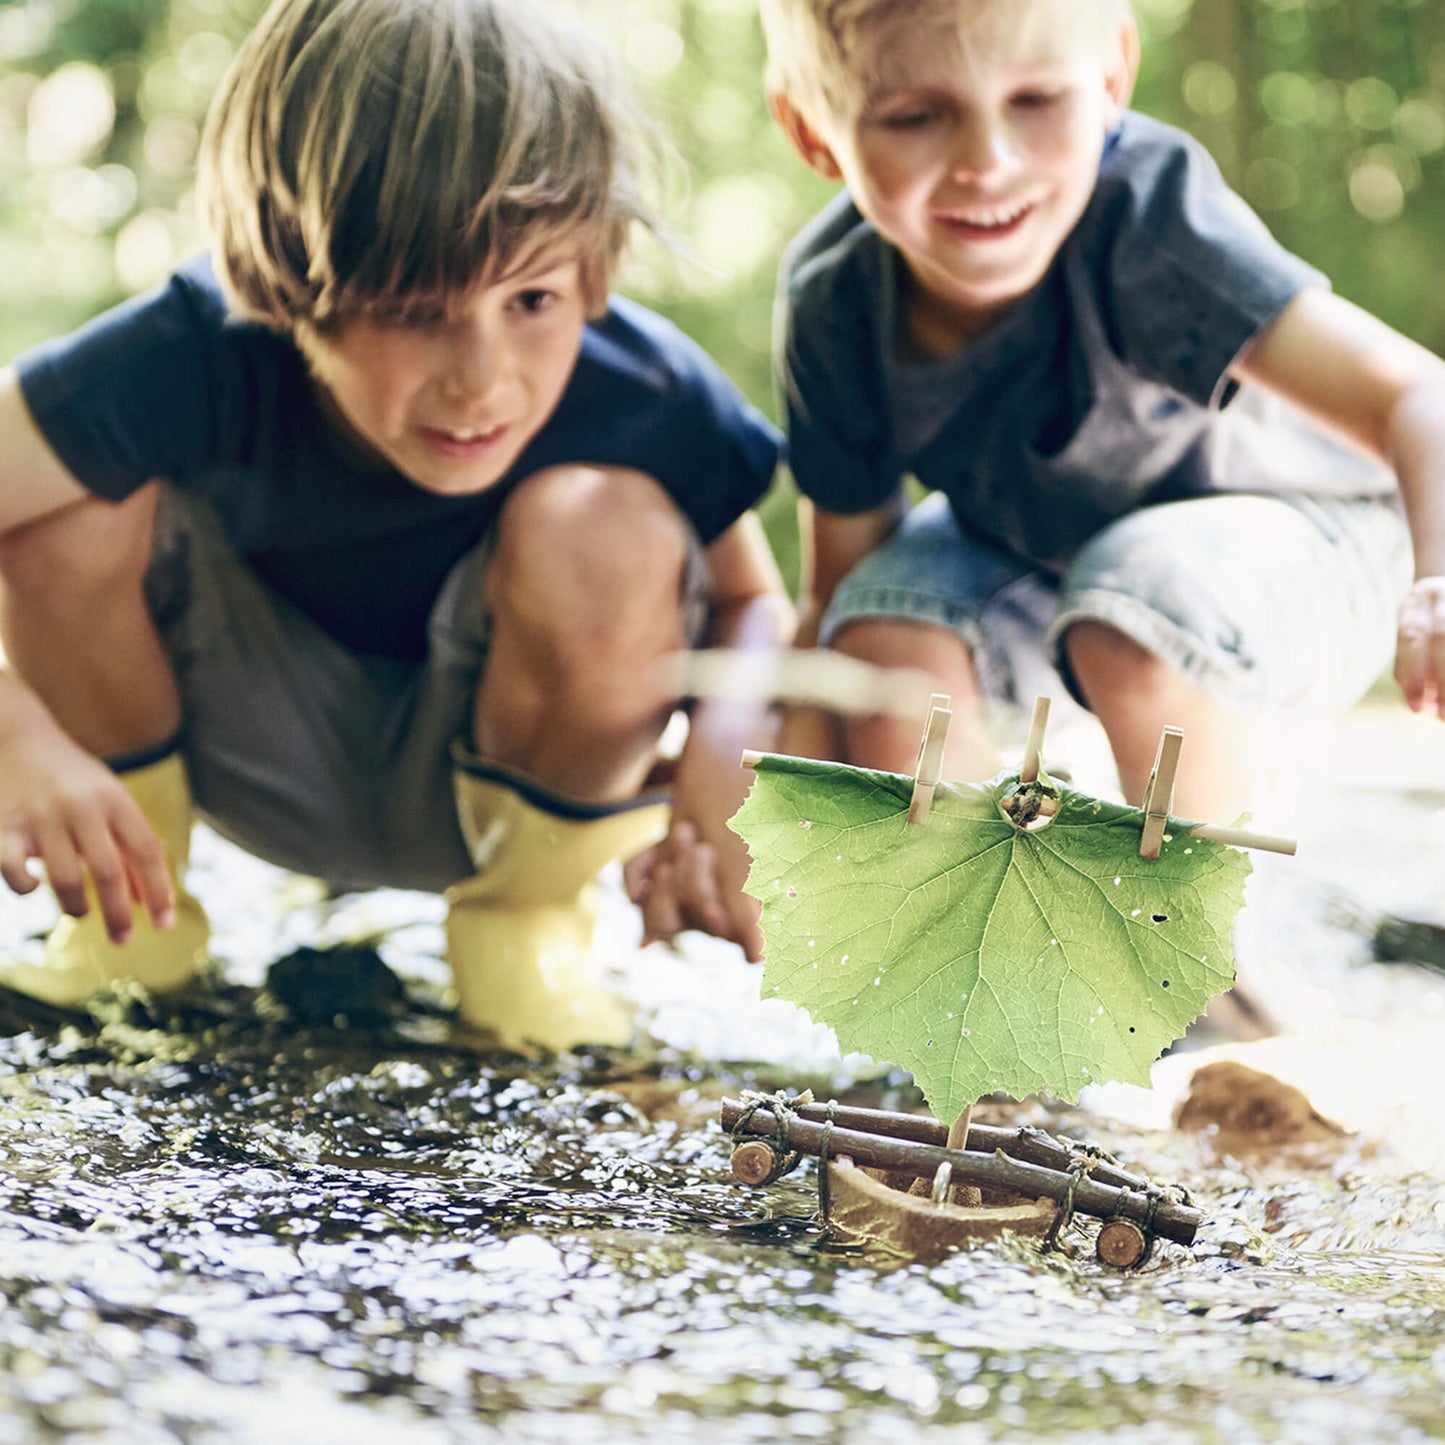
[1102, 390]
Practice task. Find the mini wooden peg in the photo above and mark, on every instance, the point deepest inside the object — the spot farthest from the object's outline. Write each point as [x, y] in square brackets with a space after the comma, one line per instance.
[1034, 746]
[930, 758]
[1159, 795]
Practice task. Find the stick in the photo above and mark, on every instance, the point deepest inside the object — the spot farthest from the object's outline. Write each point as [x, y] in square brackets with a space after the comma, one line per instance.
[1034, 746]
[929, 768]
[958, 1139]
[1238, 838]
[1159, 795]
[808, 676]
[1033, 1146]
[996, 1171]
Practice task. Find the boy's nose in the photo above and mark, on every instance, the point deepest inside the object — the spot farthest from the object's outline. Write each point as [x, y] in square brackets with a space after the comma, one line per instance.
[470, 364]
[980, 144]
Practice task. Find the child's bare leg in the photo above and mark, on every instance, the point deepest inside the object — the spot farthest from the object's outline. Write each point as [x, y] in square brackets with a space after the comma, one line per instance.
[584, 593]
[1135, 696]
[75, 624]
[891, 743]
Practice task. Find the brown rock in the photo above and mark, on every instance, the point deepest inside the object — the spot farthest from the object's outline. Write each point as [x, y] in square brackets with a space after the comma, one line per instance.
[1250, 1109]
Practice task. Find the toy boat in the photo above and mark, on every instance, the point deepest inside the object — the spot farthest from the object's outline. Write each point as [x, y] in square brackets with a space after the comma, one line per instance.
[887, 1180]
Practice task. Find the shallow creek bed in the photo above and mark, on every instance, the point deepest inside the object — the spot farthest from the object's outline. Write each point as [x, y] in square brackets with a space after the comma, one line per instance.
[249, 1217]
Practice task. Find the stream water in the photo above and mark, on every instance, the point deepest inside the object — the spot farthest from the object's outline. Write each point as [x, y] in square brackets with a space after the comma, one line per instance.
[242, 1218]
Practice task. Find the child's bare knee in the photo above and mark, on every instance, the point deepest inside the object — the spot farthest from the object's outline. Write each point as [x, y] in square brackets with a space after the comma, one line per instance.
[1107, 663]
[600, 513]
[1090, 643]
[920, 645]
[583, 545]
[85, 549]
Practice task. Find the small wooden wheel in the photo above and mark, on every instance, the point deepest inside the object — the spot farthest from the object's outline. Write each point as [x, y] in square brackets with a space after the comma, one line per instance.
[753, 1162]
[1121, 1244]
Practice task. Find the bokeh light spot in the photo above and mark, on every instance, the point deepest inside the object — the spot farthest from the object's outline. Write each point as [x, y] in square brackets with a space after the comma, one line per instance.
[1376, 191]
[71, 113]
[1209, 89]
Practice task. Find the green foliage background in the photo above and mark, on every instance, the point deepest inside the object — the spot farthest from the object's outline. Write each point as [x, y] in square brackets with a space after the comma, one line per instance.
[1329, 115]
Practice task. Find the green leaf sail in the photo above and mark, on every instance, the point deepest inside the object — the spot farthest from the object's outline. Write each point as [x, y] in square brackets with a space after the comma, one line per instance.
[976, 955]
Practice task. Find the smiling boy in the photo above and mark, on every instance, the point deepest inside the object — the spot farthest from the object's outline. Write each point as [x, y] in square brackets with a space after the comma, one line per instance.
[1161, 455]
[367, 529]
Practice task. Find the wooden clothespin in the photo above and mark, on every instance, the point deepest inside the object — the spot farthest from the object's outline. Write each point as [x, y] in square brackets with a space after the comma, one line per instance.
[1159, 795]
[930, 758]
[1159, 799]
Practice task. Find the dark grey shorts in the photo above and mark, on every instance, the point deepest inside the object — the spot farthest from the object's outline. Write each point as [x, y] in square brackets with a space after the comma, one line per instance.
[1268, 603]
[313, 757]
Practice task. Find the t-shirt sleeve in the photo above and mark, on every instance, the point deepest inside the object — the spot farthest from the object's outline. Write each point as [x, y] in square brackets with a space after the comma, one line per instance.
[828, 368]
[129, 396]
[727, 450]
[1187, 274]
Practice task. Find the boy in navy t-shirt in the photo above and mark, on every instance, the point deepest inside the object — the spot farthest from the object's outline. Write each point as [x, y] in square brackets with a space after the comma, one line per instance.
[1165, 465]
[368, 531]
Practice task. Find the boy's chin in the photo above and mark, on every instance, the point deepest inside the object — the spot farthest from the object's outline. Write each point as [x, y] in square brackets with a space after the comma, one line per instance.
[458, 484]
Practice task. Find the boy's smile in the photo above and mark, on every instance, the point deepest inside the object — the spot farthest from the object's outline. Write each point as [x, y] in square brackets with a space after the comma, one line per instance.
[974, 162]
[450, 393]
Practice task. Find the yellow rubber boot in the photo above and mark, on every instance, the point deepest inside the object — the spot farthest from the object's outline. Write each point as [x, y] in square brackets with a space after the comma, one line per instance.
[79, 957]
[520, 933]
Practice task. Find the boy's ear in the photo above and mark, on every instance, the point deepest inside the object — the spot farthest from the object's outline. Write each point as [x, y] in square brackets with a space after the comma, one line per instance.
[815, 151]
[1123, 70]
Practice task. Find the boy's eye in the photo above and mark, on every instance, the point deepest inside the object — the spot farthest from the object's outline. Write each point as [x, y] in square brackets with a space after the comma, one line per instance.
[912, 119]
[1037, 99]
[534, 299]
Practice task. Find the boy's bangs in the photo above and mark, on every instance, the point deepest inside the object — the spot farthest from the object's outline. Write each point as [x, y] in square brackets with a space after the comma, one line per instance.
[463, 187]
[371, 152]
[1034, 30]
[381, 260]
[839, 50]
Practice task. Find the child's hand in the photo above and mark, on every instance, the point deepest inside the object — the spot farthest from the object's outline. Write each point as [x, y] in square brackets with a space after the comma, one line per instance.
[687, 882]
[62, 806]
[1420, 654]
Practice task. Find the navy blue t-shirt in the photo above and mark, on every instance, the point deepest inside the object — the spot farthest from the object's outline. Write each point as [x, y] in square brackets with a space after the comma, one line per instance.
[1103, 389]
[173, 385]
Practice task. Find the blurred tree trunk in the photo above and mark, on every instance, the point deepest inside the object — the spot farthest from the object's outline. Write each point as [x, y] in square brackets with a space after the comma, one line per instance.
[1222, 31]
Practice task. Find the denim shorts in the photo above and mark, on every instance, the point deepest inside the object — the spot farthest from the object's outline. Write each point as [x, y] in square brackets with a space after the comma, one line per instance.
[1284, 604]
[319, 759]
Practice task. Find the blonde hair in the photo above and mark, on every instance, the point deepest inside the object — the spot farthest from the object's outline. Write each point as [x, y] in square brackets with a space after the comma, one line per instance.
[822, 53]
[362, 154]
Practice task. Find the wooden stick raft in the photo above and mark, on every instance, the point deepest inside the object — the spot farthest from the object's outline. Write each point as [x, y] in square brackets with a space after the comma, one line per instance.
[1168, 1218]
[1033, 1146]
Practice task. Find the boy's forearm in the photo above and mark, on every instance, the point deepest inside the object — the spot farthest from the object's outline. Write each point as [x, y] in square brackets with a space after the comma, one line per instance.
[20, 709]
[1416, 449]
[831, 546]
[709, 773]
[810, 620]
[722, 726]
